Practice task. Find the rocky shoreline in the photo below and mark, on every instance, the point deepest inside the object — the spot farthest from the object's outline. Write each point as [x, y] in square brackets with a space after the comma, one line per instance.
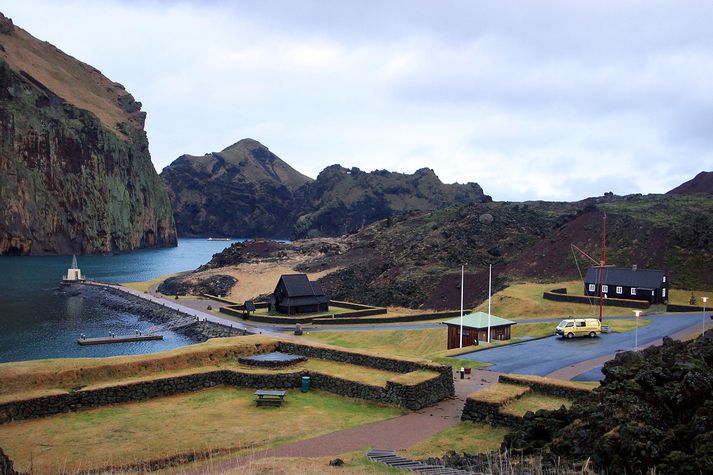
[181, 323]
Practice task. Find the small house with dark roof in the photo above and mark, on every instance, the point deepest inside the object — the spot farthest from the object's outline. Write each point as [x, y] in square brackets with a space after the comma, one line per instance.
[296, 294]
[475, 329]
[628, 283]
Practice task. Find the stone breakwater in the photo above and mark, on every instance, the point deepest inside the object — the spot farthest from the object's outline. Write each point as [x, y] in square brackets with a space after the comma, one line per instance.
[184, 324]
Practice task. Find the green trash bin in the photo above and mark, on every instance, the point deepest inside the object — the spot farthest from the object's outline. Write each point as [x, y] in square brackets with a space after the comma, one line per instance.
[305, 384]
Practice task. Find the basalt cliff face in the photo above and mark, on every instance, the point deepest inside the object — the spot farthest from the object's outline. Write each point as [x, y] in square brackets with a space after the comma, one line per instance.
[246, 190]
[75, 170]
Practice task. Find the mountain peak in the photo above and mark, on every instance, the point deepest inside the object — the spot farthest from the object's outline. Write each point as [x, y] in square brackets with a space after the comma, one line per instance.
[701, 183]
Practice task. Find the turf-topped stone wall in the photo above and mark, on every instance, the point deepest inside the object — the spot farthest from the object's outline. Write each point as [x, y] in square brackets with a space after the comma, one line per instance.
[411, 396]
[485, 405]
[609, 302]
[549, 386]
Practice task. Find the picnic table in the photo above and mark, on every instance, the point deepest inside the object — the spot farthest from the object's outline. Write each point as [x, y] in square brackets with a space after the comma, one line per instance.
[270, 397]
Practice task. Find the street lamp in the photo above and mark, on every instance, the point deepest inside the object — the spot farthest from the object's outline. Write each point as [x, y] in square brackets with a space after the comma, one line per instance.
[703, 320]
[636, 333]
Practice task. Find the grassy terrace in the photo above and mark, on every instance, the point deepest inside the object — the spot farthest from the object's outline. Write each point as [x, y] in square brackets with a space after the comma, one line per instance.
[462, 437]
[29, 379]
[534, 401]
[223, 418]
[524, 301]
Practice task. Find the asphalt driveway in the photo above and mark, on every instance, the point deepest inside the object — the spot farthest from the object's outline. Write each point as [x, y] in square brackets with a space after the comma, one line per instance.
[542, 357]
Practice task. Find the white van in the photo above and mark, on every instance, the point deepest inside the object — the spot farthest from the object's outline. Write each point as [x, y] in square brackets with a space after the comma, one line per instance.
[579, 327]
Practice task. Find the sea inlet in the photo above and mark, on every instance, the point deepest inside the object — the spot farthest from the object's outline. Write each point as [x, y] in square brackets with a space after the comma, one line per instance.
[37, 321]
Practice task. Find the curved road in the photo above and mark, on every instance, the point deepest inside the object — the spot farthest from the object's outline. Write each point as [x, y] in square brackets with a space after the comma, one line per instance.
[547, 355]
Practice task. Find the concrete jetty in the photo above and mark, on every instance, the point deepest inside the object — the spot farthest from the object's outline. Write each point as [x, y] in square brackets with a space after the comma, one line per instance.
[105, 340]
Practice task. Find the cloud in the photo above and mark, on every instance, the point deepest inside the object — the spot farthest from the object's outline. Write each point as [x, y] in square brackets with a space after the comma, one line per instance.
[533, 100]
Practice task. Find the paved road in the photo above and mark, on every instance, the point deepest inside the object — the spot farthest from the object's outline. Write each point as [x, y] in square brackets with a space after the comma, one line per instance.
[542, 357]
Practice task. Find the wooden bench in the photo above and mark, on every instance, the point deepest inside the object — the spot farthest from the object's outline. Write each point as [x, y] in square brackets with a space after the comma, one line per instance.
[270, 398]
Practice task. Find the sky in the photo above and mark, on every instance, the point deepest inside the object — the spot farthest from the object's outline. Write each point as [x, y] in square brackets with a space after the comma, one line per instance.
[533, 100]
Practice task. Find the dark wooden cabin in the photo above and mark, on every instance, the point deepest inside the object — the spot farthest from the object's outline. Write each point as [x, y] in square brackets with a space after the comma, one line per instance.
[475, 329]
[296, 294]
[628, 283]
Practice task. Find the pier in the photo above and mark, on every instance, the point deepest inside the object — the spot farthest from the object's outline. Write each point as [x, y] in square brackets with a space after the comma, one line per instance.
[105, 340]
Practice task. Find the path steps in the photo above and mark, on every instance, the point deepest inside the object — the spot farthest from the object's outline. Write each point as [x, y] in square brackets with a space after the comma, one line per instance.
[389, 457]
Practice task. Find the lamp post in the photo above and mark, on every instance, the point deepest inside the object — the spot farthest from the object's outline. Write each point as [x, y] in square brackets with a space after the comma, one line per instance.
[636, 333]
[703, 320]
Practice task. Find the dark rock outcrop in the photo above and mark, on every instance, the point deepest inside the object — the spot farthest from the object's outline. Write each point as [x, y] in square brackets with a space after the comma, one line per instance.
[75, 170]
[653, 412]
[185, 285]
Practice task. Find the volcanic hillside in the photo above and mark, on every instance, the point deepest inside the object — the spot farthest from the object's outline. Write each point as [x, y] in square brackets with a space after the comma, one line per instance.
[414, 260]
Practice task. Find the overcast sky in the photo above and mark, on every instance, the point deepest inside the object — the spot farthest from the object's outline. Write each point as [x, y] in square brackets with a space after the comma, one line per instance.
[555, 100]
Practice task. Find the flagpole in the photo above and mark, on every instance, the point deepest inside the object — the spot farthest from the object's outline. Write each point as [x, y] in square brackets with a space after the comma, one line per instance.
[462, 280]
[490, 288]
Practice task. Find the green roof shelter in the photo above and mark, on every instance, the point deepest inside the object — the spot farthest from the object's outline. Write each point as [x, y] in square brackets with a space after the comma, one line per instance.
[475, 328]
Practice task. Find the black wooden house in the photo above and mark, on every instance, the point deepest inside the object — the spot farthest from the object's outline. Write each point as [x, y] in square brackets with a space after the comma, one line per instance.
[628, 283]
[296, 294]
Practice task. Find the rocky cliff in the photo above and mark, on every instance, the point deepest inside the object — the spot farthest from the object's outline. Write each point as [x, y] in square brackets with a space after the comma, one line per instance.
[75, 170]
[244, 190]
[342, 200]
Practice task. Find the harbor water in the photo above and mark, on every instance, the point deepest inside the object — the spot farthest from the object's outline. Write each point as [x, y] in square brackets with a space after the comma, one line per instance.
[38, 322]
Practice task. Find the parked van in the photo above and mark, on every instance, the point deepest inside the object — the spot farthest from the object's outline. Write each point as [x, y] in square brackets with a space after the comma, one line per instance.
[579, 327]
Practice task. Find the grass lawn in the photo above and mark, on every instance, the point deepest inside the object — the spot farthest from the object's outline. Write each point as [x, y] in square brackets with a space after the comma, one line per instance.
[462, 437]
[682, 297]
[533, 402]
[524, 301]
[222, 417]
[429, 343]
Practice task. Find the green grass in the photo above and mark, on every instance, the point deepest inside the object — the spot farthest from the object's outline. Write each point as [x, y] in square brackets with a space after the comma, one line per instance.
[222, 417]
[682, 297]
[499, 393]
[533, 402]
[462, 437]
[524, 301]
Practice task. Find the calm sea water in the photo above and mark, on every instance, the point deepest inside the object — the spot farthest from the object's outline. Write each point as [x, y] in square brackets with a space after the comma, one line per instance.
[36, 322]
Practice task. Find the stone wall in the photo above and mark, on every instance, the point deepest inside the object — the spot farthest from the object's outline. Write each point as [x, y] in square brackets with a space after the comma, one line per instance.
[609, 302]
[409, 396]
[489, 413]
[551, 388]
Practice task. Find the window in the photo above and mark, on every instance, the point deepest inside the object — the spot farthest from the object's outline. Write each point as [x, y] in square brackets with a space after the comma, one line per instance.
[663, 293]
[619, 290]
[633, 291]
[605, 289]
[581, 323]
[570, 324]
[664, 278]
[592, 287]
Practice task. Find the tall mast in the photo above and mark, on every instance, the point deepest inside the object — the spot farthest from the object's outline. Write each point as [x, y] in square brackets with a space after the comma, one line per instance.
[601, 269]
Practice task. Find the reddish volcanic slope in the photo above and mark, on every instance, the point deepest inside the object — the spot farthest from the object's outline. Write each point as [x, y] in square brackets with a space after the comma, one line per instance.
[702, 183]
